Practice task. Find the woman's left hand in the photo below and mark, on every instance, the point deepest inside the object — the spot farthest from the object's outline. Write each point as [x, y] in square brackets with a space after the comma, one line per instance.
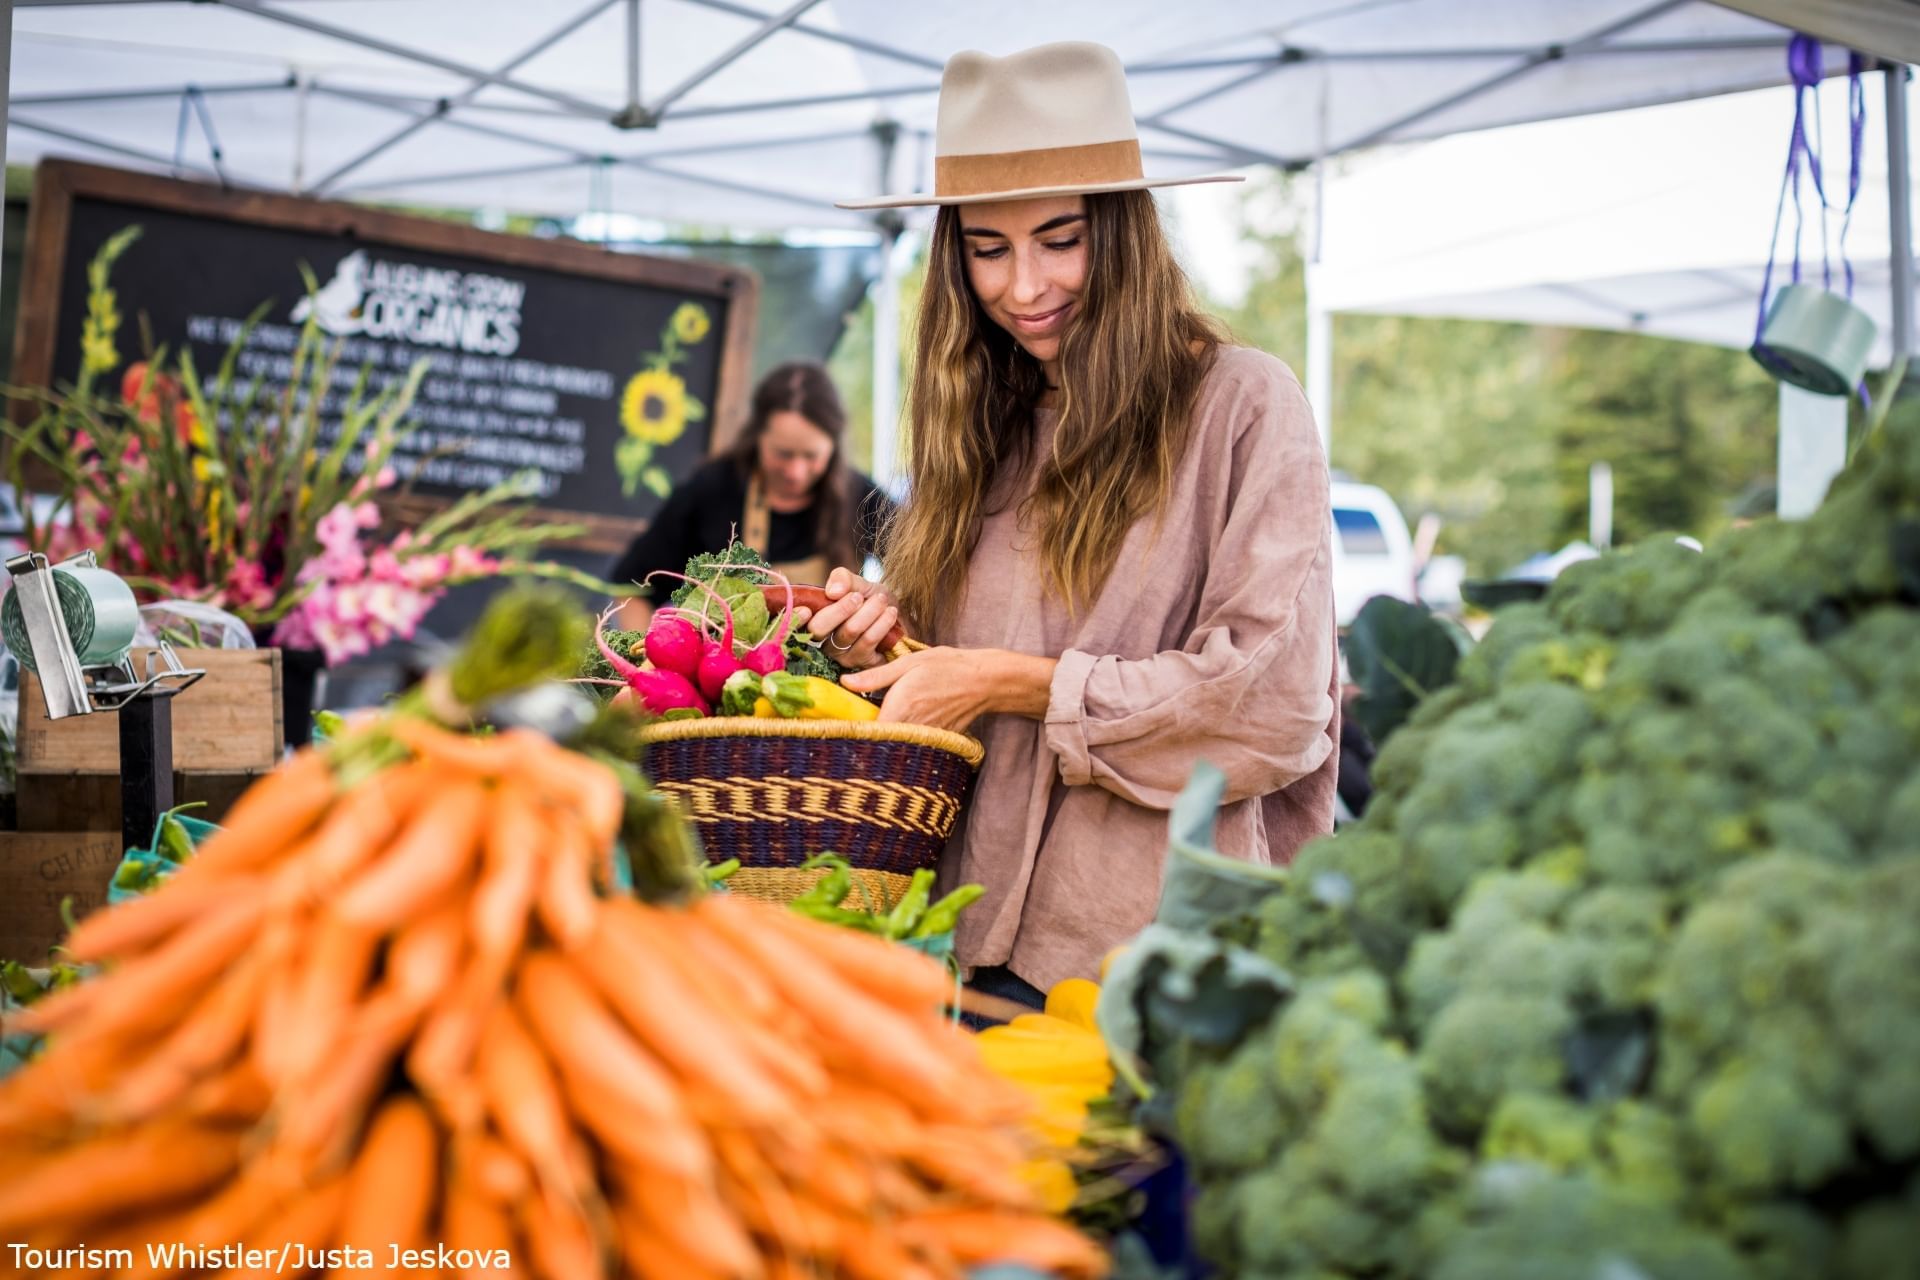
[942, 687]
[950, 688]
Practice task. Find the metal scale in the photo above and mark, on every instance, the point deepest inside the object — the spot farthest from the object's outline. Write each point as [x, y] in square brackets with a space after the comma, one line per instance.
[78, 621]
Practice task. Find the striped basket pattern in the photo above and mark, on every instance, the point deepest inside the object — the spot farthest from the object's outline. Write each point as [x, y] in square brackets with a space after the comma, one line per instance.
[772, 793]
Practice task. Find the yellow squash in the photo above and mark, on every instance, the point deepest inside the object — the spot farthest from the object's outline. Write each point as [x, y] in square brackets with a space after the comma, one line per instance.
[810, 698]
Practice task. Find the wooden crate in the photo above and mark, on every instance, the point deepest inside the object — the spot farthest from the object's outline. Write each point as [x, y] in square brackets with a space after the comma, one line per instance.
[229, 721]
[39, 870]
[216, 789]
[49, 802]
[70, 801]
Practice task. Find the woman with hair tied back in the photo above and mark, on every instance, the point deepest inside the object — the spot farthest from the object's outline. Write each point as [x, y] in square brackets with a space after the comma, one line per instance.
[784, 488]
[1116, 534]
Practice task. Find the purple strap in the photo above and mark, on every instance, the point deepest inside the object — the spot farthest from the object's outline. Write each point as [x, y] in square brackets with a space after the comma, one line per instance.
[1805, 65]
[1856, 134]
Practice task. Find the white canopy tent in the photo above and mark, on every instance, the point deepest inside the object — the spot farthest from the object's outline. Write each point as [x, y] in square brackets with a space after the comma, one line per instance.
[724, 112]
[713, 110]
[1657, 221]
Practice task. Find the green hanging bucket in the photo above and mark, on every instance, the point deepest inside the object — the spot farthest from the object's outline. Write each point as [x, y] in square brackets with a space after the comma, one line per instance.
[98, 608]
[1816, 339]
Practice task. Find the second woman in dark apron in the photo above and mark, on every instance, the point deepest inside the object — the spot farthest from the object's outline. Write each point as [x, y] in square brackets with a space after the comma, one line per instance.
[785, 489]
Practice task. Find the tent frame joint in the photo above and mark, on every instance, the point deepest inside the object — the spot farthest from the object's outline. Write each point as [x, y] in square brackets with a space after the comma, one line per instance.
[635, 115]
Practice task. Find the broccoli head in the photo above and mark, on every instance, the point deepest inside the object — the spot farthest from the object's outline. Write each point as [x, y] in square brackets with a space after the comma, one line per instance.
[1526, 1225]
[1618, 979]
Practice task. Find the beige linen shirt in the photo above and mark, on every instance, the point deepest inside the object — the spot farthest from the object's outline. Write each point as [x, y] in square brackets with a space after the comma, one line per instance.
[1213, 639]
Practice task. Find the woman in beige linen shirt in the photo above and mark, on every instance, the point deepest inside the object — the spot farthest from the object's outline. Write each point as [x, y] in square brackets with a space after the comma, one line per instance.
[1116, 532]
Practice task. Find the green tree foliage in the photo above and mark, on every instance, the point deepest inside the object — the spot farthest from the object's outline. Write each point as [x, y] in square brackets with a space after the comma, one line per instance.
[1687, 427]
[852, 364]
[1493, 426]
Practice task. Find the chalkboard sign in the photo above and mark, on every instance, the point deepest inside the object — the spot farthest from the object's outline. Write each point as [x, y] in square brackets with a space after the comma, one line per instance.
[608, 375]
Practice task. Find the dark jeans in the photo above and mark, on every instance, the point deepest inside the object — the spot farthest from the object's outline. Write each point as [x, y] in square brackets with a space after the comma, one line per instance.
[998, 980]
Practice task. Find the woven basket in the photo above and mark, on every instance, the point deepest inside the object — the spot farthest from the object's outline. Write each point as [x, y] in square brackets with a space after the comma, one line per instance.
[773, 793]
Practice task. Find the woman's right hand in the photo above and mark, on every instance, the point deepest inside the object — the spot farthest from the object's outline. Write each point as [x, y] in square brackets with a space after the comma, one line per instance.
[856, 621]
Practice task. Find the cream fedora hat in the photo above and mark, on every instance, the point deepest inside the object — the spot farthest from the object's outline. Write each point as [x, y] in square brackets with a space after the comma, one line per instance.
[1049, 121]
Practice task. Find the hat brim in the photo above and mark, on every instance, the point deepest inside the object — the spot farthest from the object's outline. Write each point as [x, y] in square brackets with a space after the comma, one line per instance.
[1033, 193]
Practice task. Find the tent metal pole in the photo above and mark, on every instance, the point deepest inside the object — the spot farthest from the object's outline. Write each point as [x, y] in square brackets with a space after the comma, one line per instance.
[472, 91]
[137, 95]
[6, 63]
[745, 46]
[1540, 58]
[886, 323]
[577, 156]
[1297, 55]
[206, 129]
[809, 100]
[387, 103]
[1320, 320]
[1320, 366]
[721, 184]
[748, 144]
[417, 103]
[1208, 95]
[467, 175]
[648, 157]
[1900, 210]
[391, 140]
[886, 362]
[1232, 152]
[837, 37]
[479, 74]
[633, 53]
[153, 158]
[301, 94]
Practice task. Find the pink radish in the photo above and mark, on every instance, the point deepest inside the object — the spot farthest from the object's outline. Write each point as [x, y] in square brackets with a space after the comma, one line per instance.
[658, 691]
[716, 664]
[673, 644]
[716, 661]
[765, 659]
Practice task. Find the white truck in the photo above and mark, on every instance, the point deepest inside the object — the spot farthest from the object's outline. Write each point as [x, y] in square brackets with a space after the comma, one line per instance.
[1372, 550]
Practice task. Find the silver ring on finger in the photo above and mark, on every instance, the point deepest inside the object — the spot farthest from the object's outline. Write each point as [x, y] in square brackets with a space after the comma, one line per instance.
[842, 648]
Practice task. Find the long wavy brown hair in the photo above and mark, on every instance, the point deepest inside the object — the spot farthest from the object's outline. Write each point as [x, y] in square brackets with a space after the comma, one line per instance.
[805, 388]
[1131, 363]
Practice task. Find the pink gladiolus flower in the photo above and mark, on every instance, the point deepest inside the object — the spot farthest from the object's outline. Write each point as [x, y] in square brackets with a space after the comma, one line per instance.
[247, 586]
[464, 562]
[427, 572]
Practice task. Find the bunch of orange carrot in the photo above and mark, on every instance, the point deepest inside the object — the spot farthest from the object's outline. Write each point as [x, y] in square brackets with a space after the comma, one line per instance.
[408, 1018]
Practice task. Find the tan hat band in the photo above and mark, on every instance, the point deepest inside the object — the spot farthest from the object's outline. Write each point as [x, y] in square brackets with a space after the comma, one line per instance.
[1094, 163]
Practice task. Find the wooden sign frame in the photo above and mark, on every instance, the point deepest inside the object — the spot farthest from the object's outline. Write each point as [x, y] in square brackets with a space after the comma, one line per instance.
[58, 183]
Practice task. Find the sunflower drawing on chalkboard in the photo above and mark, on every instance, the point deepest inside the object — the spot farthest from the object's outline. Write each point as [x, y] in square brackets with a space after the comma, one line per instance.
[655, 407]
[690, 323]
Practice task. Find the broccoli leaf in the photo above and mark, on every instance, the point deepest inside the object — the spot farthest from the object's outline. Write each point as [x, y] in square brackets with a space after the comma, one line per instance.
[1610, 1054]
[711, 565]
[1399, 653]
[807, 657]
